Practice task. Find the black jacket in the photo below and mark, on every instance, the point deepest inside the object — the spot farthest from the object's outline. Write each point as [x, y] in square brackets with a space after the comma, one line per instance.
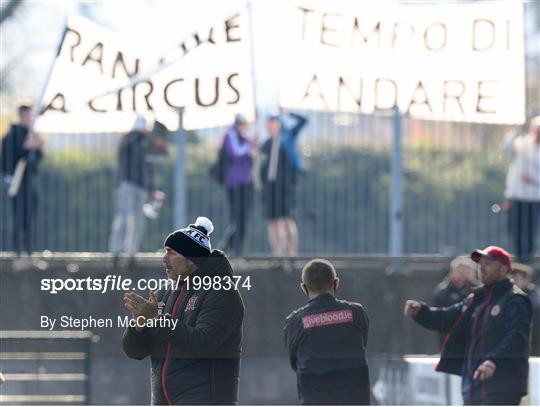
[449, 292]
[133, 160]
[534, 294]
[199, 361]
[13, 150]
[326, 342]
[493, 323]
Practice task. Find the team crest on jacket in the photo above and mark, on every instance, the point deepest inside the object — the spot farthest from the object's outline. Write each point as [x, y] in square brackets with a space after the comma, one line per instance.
[496, 310]
[191, 303]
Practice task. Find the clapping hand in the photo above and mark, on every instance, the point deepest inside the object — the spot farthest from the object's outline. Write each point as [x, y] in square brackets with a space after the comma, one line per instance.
[140, 307]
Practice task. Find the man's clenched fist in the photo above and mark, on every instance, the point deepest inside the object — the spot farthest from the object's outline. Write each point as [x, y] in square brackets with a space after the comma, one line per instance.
[411, 308]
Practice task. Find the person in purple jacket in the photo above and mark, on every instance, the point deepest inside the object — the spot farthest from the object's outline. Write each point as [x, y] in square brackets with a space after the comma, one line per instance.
[238, 181]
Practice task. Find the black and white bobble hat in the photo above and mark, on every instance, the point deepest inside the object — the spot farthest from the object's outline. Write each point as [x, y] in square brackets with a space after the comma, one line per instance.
[192, 242]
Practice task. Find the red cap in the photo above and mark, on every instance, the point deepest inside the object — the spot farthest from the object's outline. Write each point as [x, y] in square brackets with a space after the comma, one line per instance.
[493, 252]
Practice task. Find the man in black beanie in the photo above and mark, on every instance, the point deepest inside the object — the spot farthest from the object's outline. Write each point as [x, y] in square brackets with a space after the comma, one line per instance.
[193, 336]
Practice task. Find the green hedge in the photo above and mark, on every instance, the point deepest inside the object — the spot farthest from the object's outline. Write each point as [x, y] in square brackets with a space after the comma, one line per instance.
[342, 201]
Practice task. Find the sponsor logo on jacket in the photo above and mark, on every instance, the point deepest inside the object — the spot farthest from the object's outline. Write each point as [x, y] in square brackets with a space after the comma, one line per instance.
[344, 316]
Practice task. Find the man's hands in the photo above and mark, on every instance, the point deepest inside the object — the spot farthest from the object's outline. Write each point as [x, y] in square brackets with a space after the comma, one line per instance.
[484, 371]
[411, 308]
[140, 307]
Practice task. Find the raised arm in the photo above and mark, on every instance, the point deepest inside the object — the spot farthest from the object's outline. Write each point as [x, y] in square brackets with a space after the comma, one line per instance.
[234, 148]
[436, 319]
[300, 122]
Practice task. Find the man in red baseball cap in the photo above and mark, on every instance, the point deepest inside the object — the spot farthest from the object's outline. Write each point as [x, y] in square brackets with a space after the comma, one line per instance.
[487, 334]
[495, 264]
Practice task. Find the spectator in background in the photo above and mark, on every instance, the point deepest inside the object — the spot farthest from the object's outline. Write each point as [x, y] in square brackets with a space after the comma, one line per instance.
[279, 173]
[522, 191]
[522, 275]
[238, 182]
[22, 150]
[457, 284]
[156, 152]
[135, 186]
[158, 139]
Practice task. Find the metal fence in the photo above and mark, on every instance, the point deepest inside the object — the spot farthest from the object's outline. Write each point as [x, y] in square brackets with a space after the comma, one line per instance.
[453, 183]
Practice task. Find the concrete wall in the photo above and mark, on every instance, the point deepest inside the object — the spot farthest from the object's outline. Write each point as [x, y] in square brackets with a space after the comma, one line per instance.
[266, 377]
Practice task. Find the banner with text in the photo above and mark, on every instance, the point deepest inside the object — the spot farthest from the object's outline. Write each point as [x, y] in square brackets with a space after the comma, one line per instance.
[456, 62]
[100, 82]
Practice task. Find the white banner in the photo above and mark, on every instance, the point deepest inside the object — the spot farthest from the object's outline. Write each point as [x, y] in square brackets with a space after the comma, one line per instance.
[458, 62]
[213, 81]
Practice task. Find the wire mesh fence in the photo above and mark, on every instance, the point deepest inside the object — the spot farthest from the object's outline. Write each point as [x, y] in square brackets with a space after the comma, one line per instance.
[454, 176]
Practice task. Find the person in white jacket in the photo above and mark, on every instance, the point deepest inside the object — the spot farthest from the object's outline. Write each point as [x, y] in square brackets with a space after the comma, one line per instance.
[522, 191]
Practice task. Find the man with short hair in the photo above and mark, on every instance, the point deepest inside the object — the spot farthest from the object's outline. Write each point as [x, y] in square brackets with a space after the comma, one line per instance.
[193, 335]
[326, 342]
[487, 341]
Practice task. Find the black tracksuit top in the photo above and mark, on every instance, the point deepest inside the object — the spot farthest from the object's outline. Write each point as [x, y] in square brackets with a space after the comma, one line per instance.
[493, 323]
[327, 335]
[199, 361]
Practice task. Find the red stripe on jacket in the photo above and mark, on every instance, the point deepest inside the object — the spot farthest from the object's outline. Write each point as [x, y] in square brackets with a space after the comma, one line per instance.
[173, 314]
